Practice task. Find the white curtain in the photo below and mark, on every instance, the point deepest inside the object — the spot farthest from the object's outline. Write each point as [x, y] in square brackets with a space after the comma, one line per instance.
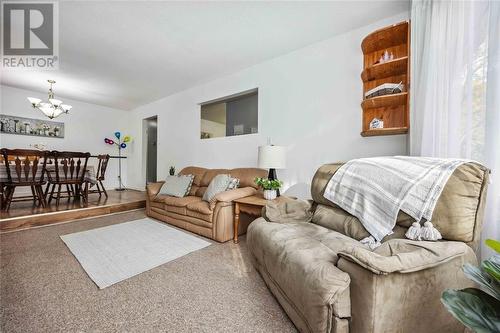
[455, 88]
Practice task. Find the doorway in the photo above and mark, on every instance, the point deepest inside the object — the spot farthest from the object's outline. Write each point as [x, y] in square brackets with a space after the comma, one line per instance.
[150, 139]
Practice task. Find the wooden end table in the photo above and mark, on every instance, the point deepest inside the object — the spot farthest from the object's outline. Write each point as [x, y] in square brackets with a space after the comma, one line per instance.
[251, 202]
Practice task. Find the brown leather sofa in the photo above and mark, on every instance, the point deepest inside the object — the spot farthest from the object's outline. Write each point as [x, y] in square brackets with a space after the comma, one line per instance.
[214, 220]
[327, 281]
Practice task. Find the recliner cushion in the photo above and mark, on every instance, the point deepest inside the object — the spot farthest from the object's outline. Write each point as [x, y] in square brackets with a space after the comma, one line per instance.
[199, 216]
[300, 258]
[200, 210]
[178, 205]
[337, 219]
[157, 204]
[176, 209]
[201, 207]
[180, 202]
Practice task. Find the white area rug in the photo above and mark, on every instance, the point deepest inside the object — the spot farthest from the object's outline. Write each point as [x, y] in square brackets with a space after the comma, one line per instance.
[117, 252]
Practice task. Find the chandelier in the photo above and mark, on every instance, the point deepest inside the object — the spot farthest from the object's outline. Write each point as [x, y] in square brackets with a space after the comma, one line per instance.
[53, 108]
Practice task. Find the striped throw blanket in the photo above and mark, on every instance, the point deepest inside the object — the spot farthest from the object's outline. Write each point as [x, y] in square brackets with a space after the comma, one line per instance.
[376, 189]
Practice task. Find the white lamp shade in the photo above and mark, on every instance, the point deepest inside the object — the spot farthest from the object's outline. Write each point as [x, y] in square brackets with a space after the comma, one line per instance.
[272, 157]
[47, 110]
[66, 107]
[55, 102]
[57, 112]
[34, 101]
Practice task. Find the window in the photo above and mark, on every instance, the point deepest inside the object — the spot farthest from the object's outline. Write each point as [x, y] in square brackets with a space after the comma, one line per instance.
[229, 116]
[473, 117]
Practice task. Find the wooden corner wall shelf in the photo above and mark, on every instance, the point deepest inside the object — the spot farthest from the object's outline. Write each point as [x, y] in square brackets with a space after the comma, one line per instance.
[393, 109]
[385, 101]
[385, 131]
[384, 38]
[391, 68]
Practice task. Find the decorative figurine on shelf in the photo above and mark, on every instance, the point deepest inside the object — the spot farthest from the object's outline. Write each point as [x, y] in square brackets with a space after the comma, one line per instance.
[171, 171]
[121, 145]
[385, 57]
[376, 123]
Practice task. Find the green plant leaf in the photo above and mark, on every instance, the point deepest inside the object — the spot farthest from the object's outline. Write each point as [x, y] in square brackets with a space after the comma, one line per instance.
[488, 284]
[473, 308]
[492, 267]
[495, 245]
[268, 184]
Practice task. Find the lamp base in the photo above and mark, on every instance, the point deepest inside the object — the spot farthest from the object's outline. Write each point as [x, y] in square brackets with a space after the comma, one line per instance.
[272, 176]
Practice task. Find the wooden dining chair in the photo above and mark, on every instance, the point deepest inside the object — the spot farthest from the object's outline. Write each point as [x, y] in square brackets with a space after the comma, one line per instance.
[23, 167]
[101, 171]
[68, 170]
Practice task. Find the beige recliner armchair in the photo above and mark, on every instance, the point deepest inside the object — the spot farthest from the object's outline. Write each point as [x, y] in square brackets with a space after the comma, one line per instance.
[327, 281]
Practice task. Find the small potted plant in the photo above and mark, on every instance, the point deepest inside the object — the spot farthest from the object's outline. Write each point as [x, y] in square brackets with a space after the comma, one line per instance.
[269, 186]
[171, 171]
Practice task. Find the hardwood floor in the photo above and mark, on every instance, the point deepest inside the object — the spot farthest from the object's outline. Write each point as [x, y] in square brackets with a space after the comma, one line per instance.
[23, 215]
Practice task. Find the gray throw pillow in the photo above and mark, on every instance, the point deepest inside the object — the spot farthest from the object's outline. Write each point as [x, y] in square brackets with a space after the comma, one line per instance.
[218, 184]
[234, 183]
[177, 186]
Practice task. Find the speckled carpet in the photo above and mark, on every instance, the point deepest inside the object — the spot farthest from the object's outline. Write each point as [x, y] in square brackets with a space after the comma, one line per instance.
[44, 289]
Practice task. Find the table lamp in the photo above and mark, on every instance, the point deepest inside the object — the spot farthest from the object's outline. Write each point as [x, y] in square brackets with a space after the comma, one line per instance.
[272, 157]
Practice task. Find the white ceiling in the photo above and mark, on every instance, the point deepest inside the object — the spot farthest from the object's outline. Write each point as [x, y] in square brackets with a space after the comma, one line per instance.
[126, 54]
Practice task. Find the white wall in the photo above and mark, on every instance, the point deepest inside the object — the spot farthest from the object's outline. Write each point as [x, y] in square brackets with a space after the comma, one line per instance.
[85, 128]
[309, 101]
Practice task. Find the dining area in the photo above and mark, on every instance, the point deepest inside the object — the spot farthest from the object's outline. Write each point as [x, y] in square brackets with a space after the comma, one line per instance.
[49, 178]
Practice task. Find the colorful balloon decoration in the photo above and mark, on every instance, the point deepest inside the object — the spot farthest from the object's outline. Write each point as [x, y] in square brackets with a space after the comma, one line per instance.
[121, 145]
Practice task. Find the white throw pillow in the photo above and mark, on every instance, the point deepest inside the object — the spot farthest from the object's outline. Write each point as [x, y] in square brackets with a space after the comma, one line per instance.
[177, 186]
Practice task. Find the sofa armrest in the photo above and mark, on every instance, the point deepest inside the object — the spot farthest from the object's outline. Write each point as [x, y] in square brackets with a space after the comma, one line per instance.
[228, 196]
[152, 189]
[398, 301]
[404, 256]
